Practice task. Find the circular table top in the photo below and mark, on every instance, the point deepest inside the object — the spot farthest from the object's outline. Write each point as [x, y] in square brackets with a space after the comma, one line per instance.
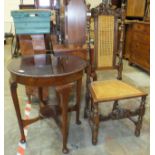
[46, 65]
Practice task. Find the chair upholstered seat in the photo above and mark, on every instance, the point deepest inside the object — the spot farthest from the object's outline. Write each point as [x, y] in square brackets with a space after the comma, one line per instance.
[109, 90]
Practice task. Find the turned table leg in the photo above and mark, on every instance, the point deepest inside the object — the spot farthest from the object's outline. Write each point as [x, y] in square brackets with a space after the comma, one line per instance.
[13, 88]
[64, 92]
[78, 99]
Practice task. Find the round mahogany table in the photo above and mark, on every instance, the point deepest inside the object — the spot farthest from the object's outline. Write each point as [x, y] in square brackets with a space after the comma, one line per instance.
[46, 70]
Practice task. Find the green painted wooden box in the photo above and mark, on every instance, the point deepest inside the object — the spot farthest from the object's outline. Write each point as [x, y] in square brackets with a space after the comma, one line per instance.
[35, 21]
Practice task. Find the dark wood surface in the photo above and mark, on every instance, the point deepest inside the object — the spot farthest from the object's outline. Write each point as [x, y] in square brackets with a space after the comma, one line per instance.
[26, 6]
[44, 71]
[46, 65]
[136, 8]
[138, 45]
[81, 52]
[128, 40]
[73, 29]
[116, 2]
[75, 22]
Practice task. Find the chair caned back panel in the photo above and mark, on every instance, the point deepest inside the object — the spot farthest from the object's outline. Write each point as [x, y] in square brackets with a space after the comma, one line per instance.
[105, 41]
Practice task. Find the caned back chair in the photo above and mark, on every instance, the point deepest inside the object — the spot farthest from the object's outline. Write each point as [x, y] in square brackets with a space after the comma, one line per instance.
[108, 42]
[106, 52]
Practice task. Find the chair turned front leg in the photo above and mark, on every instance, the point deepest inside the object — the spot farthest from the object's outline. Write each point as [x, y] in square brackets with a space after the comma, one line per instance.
[95, 126]
[115, 105]
[120, 68]
[87, 98]
[140, 117]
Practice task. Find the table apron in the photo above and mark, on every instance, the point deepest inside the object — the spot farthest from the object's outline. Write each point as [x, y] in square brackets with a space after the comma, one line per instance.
[47, 81]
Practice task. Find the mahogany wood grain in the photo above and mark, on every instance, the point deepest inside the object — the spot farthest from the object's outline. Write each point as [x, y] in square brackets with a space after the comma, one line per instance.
[140, 45]
[136, 8]
[75, 22]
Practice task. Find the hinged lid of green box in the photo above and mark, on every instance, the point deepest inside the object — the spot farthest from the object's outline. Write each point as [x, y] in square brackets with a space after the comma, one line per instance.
[32, 21]
[30, 13]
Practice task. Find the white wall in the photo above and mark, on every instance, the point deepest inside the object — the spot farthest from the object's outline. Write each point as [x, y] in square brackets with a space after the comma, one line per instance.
[93, 3]
[8, 6]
